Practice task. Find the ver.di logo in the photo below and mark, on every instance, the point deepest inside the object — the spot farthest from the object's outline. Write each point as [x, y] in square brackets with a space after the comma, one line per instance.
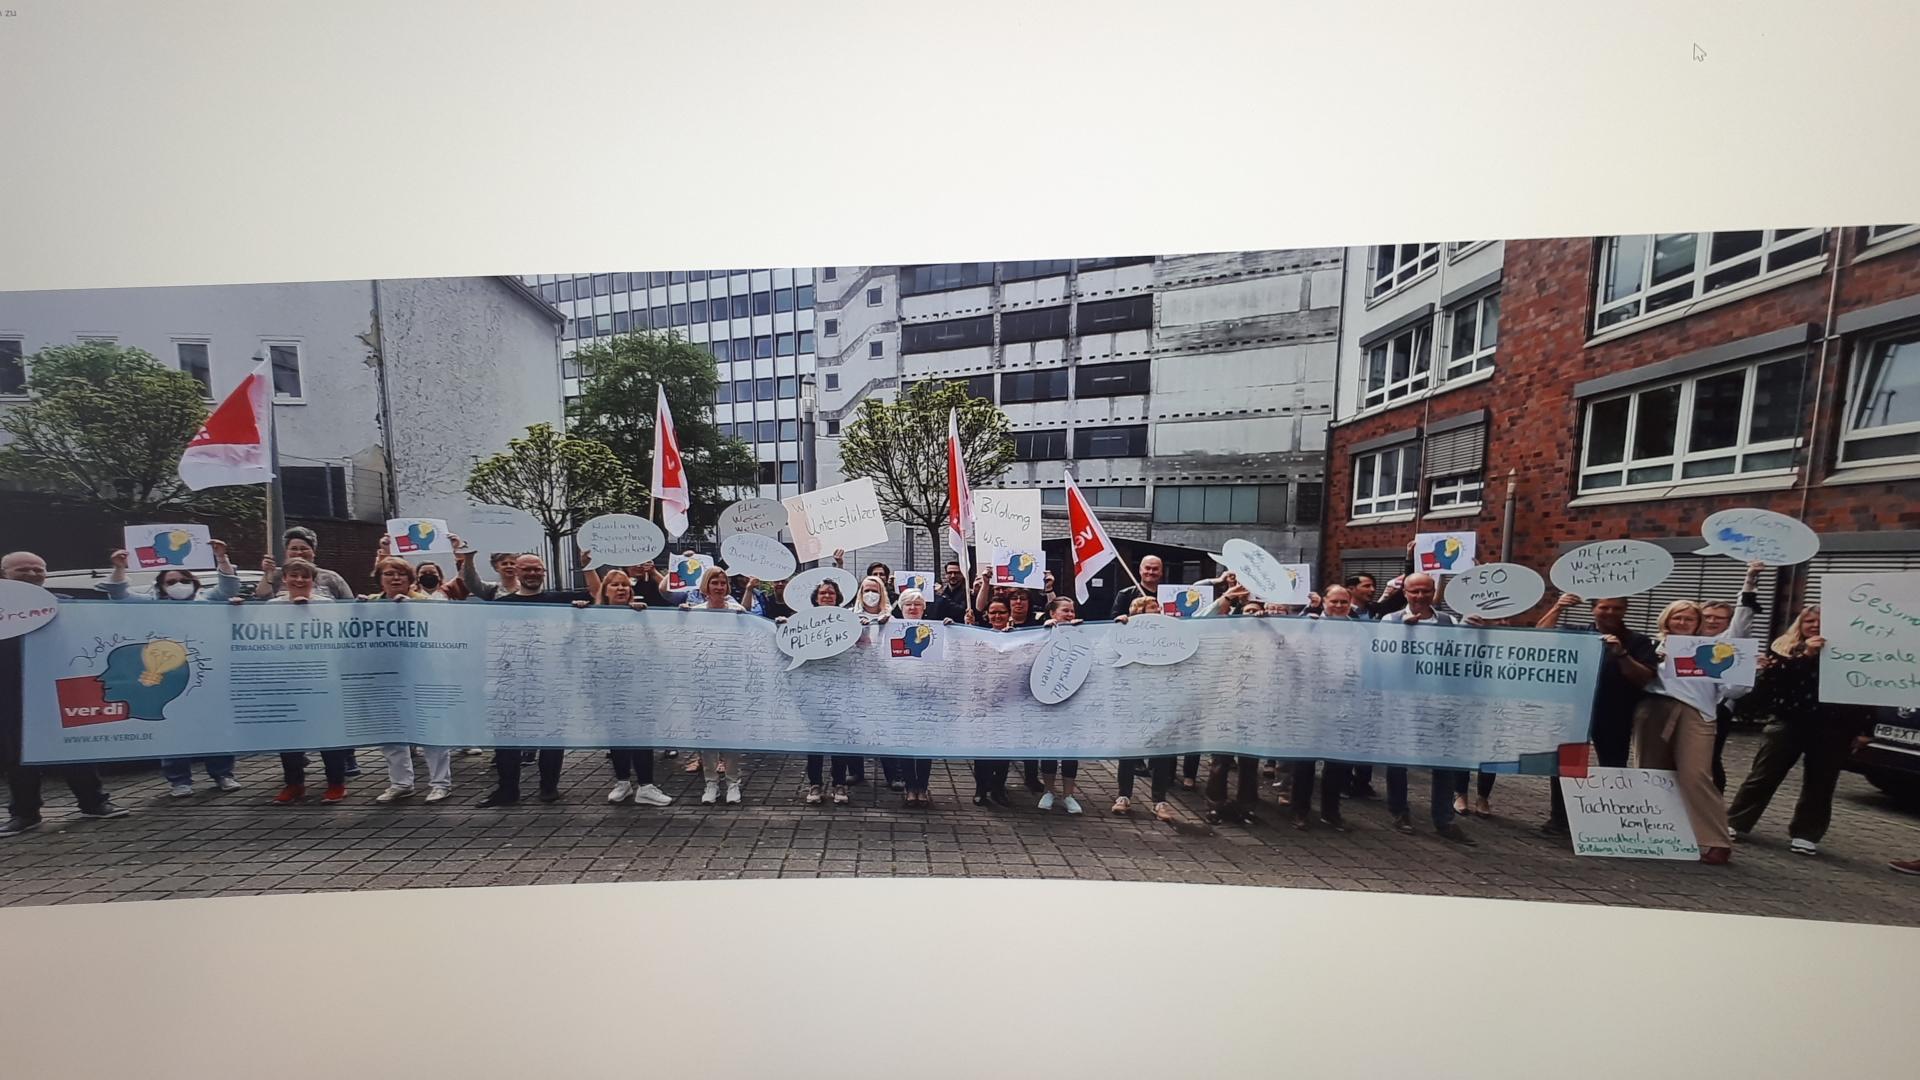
[1443, 556]
[1019, 569]
[137, 682]
[418, 537]
[913, 642]
[1188, 602]
[1709, 660]
[170, 548]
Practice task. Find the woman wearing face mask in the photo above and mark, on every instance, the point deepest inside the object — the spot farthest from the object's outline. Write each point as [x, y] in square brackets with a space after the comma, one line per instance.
[876, 604]
[916, 772]
[716, 594]
[1673, 727]
[828, 595]
[399, 582]
[632, 765]
[177, 586]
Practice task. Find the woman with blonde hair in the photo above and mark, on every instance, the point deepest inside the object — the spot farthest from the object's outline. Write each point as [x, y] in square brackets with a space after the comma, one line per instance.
[1674, 726]
[716, 594]
[632, 765]
[400, 581]
[1801, 727]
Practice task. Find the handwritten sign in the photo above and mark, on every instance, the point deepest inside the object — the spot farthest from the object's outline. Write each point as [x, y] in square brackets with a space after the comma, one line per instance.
[1495, 590]
[1019, 569]
[1608, 568]
[1005, 518]
[488, 528]
[169, 547]
[25, 608]
[1062, 666]
[1750, 534]
[1722, 660]
[1628, 814]
[1872, 626]
[806, 583]
[914, 639]
[1156, 640]
[756, 555]
[1439, 553]
[817, 633]
[1185, 601]
[844, 517]
[1266, 577]
[420, 536]
[621, 540]
[763, 516]
[914, 579]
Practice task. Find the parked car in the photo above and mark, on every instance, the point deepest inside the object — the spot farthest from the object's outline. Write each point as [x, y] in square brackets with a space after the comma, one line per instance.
[1890, 759]
[89, 584]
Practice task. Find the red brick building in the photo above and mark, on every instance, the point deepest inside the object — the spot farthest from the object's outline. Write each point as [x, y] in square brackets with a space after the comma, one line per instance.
[1638, 384]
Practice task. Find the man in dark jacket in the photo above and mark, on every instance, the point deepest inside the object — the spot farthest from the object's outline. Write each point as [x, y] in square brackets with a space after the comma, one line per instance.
[529, 587]
[1152, 572]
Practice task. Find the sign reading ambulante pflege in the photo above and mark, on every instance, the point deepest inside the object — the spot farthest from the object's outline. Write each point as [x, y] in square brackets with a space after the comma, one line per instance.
[1628, 814]
[620, 540]
[818, 633]
[1872, 626]
[419, 536]
[1731, 662]
[1443, 552]
[170, 547]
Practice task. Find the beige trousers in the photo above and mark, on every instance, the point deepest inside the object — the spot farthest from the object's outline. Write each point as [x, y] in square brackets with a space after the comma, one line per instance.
[1673, 735]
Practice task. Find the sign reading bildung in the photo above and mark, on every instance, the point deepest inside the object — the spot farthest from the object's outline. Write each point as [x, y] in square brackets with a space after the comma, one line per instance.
[1872, 626]
[1005, 518]
[1628, 814]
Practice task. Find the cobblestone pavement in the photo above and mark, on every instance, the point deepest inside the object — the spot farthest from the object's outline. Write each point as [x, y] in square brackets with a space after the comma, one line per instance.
[240, 844]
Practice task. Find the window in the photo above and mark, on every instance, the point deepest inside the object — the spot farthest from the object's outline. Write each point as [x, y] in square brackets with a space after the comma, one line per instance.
[762, 303]
[1309, 502]
[1454, 491]
[658, 277]
[831, 328]
[743, 392]
[789, 472]
[806, 341]
[915, 280]
[876, 349]
[566, 330]
[1394, 265]
[1476, 330]
[619, 283]
[803, 297]
[603, 324]
[602, 284]
[977, 386]
[1640, 275]
[789, 430]
[1108, 264]
[1126, 441]
[570, 368]
[742, 348]
[676, 277]
[722, 393]
[659, 317]
[1877, 233]
[767, 473]
[725, 430]
[1041, 325]
[566, 289]
[1040, 445]
[1452, 461]
[1723, 423]
[766, 430]
[193, 360]
[1220, 504]
[13, 366]
[315, 490]
[829, 273]
[697, 311]
[550, 293]
[1022, 271]
[720, 350]
[1386, 481]
[1110, 380]
[679, 314]
[833, 381]
[951, 334]
[1053, 496]
[833, 427]
[783, 345]
[1131, 498]
[1111, 316]
[1049, 384]
[1398, 366]
[763, 389]
[789, 386]
[874, 296]
[763, 347]
[742, 305]
[1883, 402]
[622, 322]
[783, 300]
[284, 360]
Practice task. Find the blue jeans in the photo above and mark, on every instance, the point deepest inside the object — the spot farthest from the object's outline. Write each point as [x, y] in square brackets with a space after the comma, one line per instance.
[1443, 780]
[179, 770]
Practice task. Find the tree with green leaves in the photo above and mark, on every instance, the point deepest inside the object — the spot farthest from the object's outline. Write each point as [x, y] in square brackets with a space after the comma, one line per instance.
[104, 427]
[618, 394]
[561, 480]
[902, 447]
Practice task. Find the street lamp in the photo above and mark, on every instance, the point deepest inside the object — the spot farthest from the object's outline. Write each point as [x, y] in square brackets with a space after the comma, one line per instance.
[809, 455]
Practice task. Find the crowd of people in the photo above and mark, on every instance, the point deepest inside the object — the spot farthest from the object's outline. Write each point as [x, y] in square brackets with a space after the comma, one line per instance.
[1677, 724]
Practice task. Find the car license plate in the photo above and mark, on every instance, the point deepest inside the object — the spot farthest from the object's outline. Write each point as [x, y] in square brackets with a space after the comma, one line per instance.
[1894, 733]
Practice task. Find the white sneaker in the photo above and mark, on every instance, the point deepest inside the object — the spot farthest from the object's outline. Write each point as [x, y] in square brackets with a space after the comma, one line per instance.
[650, 795]
[228, 783]
[1073, 804]
[621, 789]
[394, 792]
[1803, 847]
[733, 792]
[438, 793]
[180, 791]
[1046, 801]
[709, 796]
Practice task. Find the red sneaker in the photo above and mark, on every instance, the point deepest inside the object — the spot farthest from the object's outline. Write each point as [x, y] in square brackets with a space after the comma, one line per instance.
[291, 793]
[1716, 856]
[335, 792]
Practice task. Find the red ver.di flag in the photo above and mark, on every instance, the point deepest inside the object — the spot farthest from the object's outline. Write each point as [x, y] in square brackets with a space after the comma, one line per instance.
[231, 447]
[959, 492]
[669, 478]
[1091, 548]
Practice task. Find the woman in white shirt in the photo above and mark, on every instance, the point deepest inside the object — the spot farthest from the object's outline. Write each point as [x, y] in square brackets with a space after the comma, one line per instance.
[400, 582]
[1674, 727]
[716, 594]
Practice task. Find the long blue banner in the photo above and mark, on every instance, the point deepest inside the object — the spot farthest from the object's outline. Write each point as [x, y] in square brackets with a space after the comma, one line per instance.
[118, 681]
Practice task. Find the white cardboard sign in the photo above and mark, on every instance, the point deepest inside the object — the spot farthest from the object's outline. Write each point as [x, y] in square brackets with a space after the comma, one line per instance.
[915, 639]
[1731, 661]
[419, 536]
[1005, 518]
[1495, 590]
[817, 633]
[25, 608]
[1267, 578]
[1628, 814]
[914, 579]
[1750, 534]
[1609, 568]
[757, 555]
[1439, 553]
[620, 540]
[844, 517]
[764, 516]
[1019, 568]
[1185, 601]
[1154, 639]
[490, 529]
[169, 547]
[800, 590]
[1872, 626]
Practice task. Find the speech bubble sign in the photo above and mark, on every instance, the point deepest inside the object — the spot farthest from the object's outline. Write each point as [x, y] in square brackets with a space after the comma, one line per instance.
[757, 555]
[1265, 577]
[1495, 590]
[1154, 639]
[817, 633]
[1750, 534]
[25, 608]
[800, 590]
[1062, 665]
[1609, 568]
[765, 517]
[620, 540]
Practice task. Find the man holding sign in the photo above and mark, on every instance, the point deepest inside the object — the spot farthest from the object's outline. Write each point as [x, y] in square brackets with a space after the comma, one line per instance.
[1631, 663]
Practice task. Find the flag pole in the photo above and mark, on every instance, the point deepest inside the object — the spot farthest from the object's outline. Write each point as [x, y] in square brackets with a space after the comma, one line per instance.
[276, 495]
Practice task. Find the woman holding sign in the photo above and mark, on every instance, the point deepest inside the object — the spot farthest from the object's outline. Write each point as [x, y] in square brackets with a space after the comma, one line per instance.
[716, 594]
[632, 765]
[916, 772]
[876, 605]
[399, 582]
[1802, 727]
[844, 765]
[1675, 728]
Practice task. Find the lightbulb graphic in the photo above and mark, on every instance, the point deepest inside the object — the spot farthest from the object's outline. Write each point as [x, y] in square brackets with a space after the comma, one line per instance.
[158, 658]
